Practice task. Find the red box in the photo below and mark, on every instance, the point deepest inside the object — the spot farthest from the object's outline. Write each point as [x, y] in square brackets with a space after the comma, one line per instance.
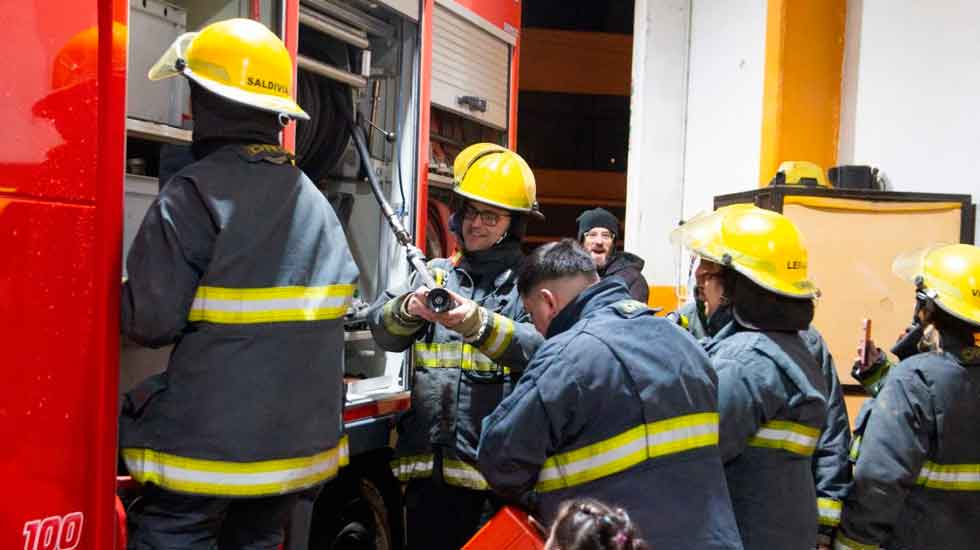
[509, 529]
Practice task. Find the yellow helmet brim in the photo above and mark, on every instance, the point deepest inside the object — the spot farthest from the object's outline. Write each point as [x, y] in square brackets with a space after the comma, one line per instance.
[484, 200]
[915, 266]
[701, 235]
[171, 64]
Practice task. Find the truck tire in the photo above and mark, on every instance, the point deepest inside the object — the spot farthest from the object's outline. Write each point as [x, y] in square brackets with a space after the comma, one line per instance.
[355, 519]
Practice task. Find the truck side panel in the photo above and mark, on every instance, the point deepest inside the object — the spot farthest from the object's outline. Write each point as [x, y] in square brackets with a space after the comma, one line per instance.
[60, 217]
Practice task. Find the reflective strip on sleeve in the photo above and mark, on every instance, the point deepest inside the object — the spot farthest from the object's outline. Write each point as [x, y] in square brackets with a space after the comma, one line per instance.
[828, 511]
[457, 355]
[950, 477]
[461, 474]
[406, 468]
[855, 451]
[843, 543]
[391, 322]
[344, 451]
[501, 333]
[788, 436]
[618, 453]
[270, 305]
[220, 478]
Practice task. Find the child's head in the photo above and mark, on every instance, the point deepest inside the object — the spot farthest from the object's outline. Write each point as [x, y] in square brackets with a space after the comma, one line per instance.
[587, 524]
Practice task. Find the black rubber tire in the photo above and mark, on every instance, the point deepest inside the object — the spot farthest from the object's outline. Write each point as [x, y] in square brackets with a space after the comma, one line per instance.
[356, 519]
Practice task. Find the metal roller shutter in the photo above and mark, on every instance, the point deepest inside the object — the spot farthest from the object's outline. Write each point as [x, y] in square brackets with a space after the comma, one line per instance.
[468, 61]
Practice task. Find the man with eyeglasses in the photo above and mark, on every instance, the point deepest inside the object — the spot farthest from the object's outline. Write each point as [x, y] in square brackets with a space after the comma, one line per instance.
[597, 231]
[466, 359]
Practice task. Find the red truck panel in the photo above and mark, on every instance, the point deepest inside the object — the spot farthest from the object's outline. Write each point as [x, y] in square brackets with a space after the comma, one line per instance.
[60, 224]
[505, 14]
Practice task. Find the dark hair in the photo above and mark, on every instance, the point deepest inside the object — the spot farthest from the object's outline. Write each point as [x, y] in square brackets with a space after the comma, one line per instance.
[587, 524]
[953, 331]
[762, 309]
[565, 258]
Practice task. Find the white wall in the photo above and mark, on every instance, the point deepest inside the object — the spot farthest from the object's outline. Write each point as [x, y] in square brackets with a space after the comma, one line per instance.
[724, 109]
[655, 175]
[696, 121]
[911, 93]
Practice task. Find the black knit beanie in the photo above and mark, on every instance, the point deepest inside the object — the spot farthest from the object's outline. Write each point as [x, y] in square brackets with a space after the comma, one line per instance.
[597, 217]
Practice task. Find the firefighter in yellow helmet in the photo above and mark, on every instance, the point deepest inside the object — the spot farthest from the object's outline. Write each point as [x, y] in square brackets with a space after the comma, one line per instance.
[917, 469]
[711, 311]
[771, 393]
[243, 266]
[465, 359]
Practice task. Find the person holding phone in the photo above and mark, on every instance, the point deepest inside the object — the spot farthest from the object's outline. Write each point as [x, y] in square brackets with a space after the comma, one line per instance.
[917, 464]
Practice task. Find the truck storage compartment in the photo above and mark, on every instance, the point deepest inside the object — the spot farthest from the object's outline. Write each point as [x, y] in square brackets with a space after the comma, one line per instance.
[470, 65]
[153, 26]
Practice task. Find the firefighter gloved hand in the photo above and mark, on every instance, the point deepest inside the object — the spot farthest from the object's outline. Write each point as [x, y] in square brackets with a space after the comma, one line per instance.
[872, 374]
[466, 317]
[412, 304]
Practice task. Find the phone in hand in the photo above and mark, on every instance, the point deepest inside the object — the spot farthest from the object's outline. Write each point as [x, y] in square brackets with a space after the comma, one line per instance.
[865, 347]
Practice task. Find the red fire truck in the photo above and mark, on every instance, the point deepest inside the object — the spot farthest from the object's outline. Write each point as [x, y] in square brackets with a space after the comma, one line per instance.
[88, 140]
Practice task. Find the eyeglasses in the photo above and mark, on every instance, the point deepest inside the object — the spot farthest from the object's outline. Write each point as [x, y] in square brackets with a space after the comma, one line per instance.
[599, 235]
[489, 219]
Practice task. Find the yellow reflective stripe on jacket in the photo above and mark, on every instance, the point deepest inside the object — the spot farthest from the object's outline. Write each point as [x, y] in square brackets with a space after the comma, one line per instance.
[221, 478]
[461, 474]
[618, 453]
[454, 355]
[843, 543]
[950, 477]
[788, 436]
[391, 322]
[501, 333]
[270, 305]
[828, 511]
[406, 468]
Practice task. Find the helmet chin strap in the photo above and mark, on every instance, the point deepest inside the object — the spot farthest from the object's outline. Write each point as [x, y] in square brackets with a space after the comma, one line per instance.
[502, 237]
[283, 120]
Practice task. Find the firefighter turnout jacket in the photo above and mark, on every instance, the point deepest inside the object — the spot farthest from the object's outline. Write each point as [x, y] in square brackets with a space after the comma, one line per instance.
[243, 265]
[831, 467]
[455, 383]
[772, 406]
[620, 406]
[917, 471]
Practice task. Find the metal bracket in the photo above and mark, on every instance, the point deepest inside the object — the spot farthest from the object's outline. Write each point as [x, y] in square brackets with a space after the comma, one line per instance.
[473, 102]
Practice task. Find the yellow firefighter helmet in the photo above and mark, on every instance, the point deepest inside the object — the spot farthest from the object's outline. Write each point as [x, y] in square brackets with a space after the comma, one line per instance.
[495, 175]
[238, 59]
[763, 245]
[949, 274]
[800, 172]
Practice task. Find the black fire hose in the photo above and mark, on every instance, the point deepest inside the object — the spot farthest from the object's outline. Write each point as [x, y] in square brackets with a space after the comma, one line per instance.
[438, 298]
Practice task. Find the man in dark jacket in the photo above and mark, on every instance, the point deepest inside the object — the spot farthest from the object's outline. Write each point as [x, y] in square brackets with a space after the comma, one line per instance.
[597, 231]
[241, 264]
[617, 405]
[465, 359]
